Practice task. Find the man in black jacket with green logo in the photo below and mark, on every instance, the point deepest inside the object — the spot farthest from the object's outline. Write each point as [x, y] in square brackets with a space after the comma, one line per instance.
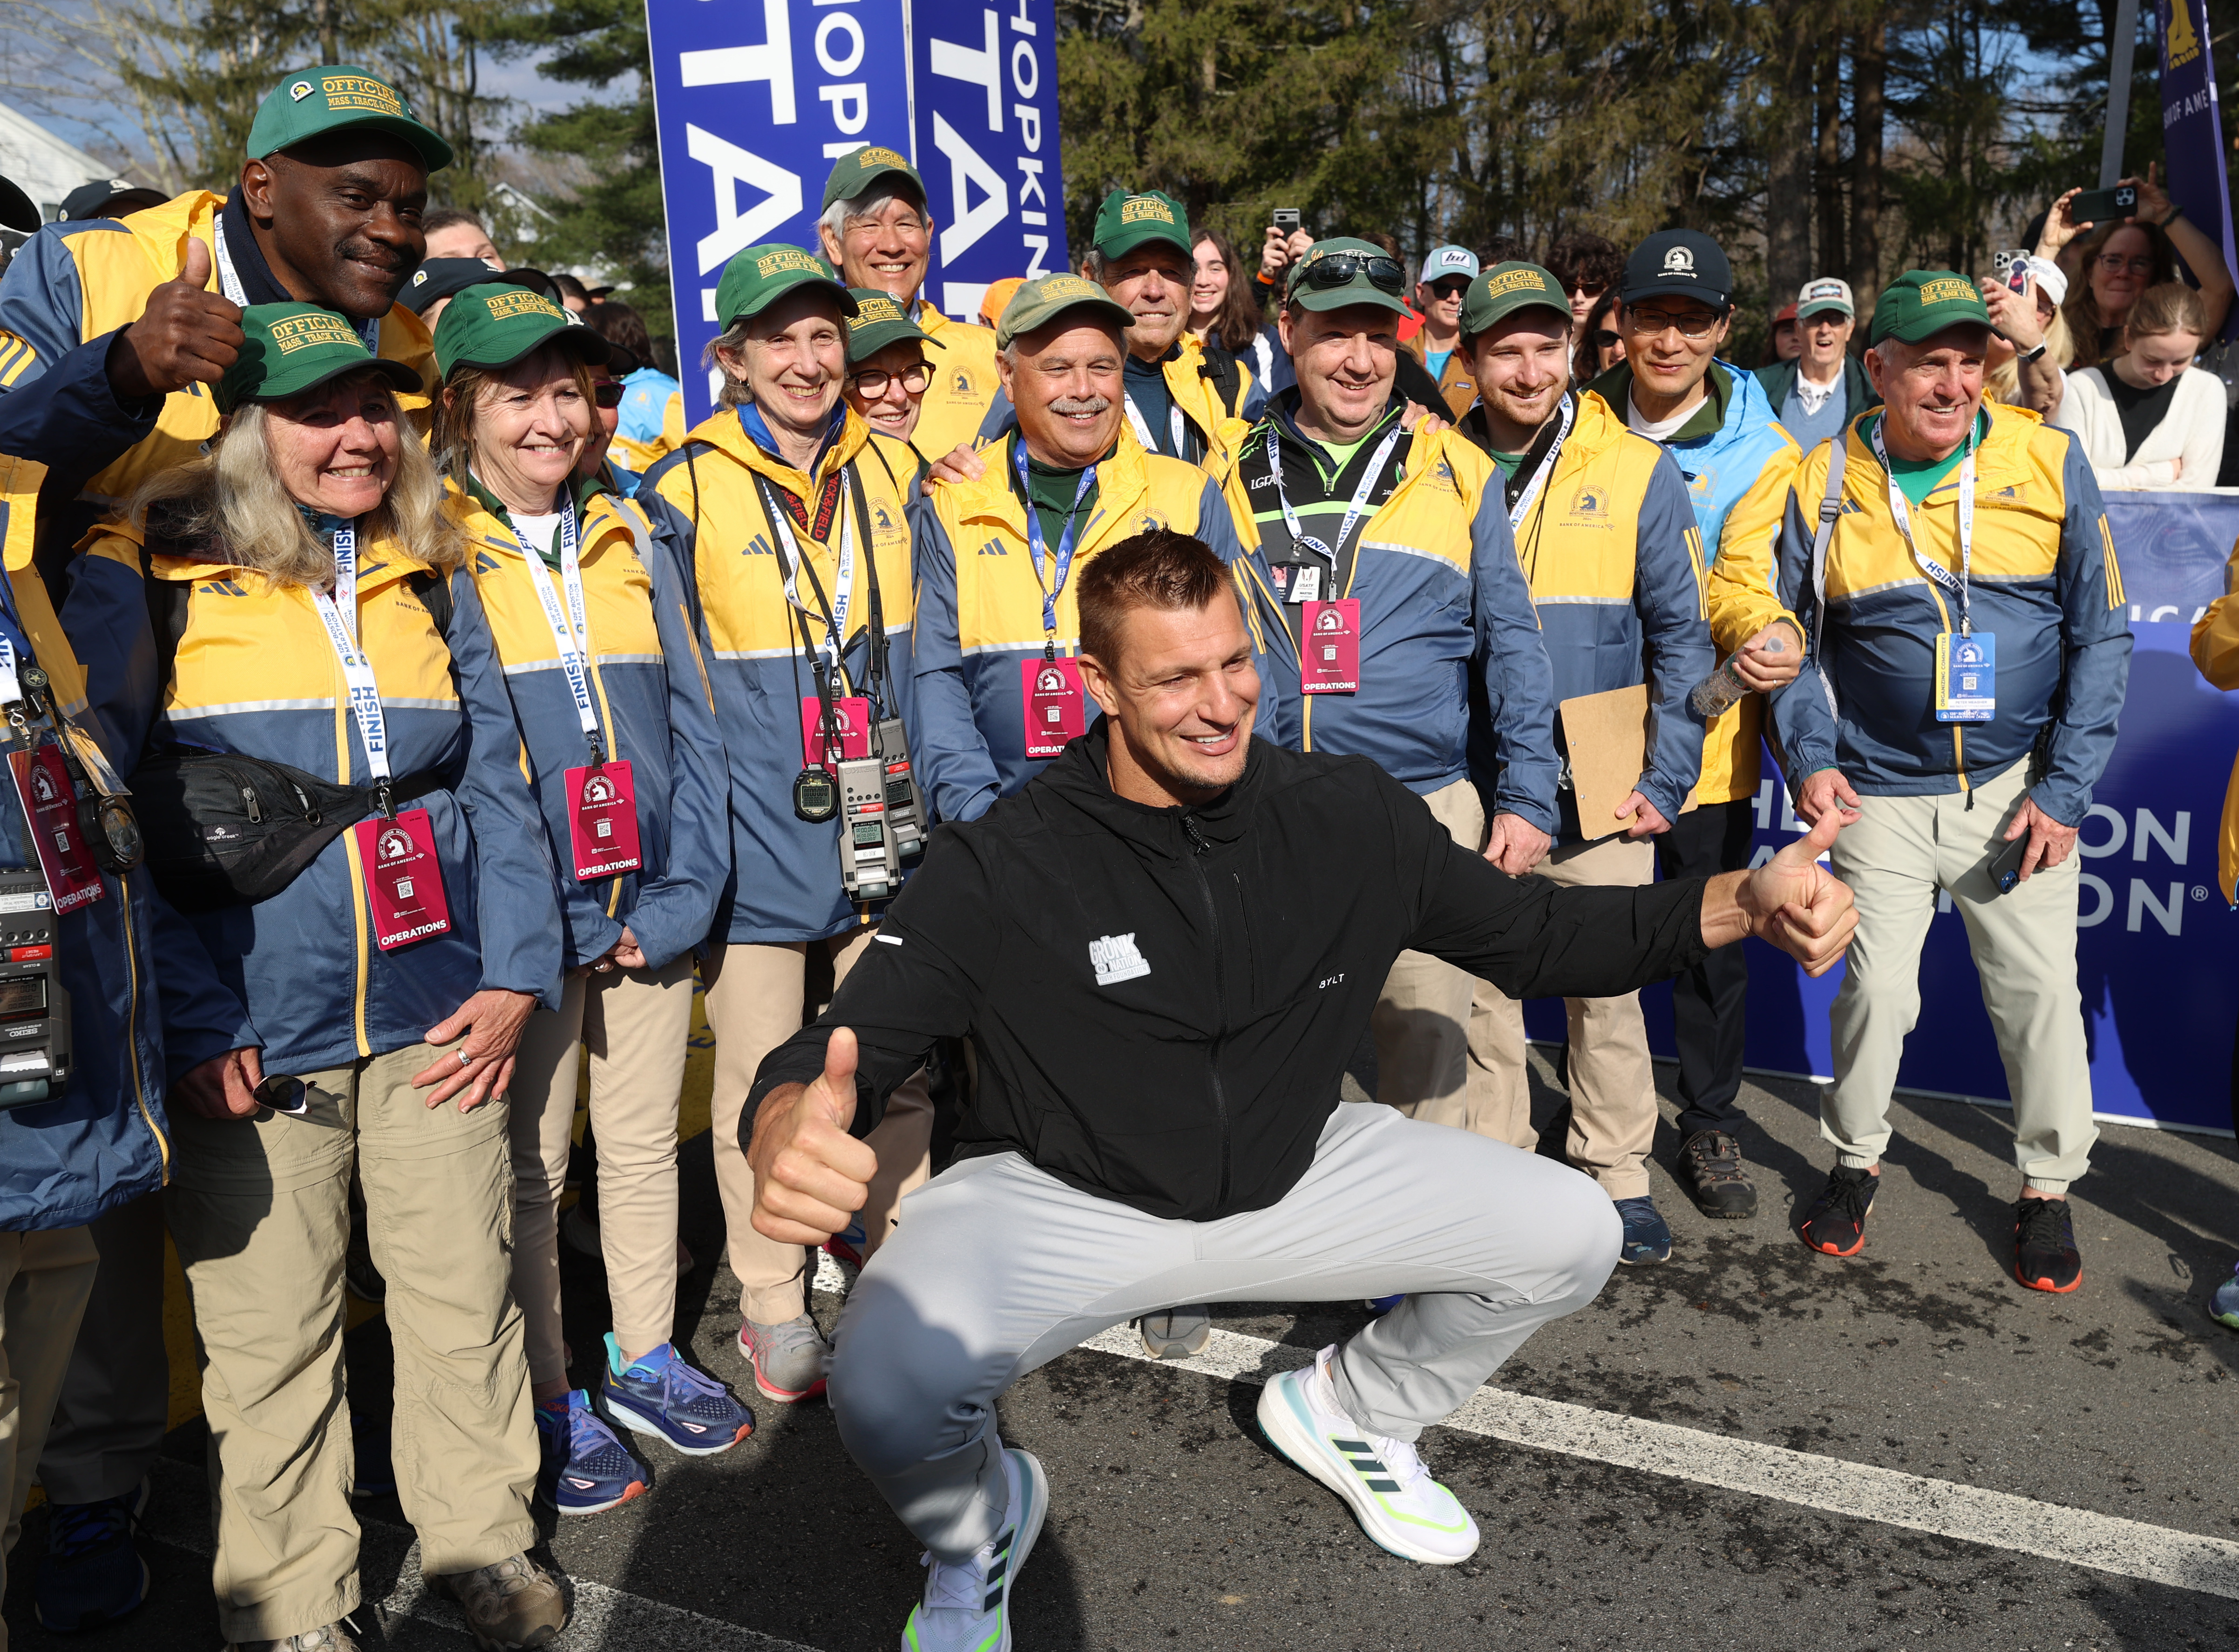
[1165, 948]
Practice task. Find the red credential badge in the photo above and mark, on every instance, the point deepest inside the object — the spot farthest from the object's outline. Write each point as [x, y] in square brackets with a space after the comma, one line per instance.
[404, 879]
[1056, 712]
[1329, 647]
[43, 782]
[602, 820]
[850, 731]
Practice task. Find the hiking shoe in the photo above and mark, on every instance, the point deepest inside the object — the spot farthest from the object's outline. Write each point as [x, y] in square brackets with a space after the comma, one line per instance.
[967, 1603]
[509, 1604]
[2045, 1257]
[661, 1395]
[1647, 1236]
[2223, 1306]
[92, 1573]
[328, 1637]
[1710, 1168]
[587, 1469]
[1176, 1333]
[789, 1360]
[1390, 1491]
[1836, 1220]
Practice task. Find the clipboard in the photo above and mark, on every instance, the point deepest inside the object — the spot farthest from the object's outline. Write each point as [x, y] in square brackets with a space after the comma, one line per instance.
[1607, 737]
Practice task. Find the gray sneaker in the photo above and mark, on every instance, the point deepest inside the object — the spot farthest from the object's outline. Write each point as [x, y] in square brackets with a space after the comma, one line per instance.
[1177, 1333]
[509, 1605]
[328, 1637]
[789, 1360]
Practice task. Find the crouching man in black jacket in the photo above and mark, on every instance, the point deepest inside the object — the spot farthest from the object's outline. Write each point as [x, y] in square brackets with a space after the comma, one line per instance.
[1165, 948]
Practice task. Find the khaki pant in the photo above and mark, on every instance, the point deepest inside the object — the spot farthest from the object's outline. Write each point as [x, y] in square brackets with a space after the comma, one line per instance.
[636, 1025]
[1895, 857]
[115, 1405]
[1613, 1084]
[1421, 1020]
[753, 1004]
[44, 1281]
[259, 1210]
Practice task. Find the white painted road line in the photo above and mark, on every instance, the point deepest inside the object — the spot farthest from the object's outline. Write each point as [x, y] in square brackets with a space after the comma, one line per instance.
[1858, 1492]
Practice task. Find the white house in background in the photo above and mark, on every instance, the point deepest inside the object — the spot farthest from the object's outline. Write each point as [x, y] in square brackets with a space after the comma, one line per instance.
[41, 165]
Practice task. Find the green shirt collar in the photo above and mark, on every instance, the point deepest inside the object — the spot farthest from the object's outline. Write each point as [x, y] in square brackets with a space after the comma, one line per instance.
[585, 488]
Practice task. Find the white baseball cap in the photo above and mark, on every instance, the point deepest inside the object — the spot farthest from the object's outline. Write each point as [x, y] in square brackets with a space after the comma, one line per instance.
[1826, 293]
[2051, 279]
[1449, 261]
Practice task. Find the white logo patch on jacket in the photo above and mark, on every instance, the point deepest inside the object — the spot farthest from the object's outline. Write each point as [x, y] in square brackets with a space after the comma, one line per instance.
[1115, 959]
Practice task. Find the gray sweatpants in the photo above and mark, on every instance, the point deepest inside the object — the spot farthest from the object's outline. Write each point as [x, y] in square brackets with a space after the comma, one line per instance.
[996, 1268]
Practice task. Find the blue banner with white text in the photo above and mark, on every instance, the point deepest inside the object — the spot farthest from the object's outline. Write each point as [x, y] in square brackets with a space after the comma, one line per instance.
[2192, 125]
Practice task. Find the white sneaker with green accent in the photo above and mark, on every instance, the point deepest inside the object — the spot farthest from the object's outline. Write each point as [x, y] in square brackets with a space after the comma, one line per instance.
[1391, 1494]
[967, 1603]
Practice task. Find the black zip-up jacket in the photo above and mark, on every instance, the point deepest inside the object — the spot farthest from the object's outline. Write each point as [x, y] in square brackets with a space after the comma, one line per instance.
[1163, 1000]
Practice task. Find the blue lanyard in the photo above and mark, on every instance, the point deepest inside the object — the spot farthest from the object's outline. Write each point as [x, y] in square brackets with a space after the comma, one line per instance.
[1061, 564]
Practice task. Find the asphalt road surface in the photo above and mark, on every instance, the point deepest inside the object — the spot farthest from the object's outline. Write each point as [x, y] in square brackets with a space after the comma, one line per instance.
[1751, 1446]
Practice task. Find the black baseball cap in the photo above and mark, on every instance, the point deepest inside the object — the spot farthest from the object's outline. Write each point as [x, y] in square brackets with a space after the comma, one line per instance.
[17, 211]
[1679, 264]
[91, 199]
[446, 277]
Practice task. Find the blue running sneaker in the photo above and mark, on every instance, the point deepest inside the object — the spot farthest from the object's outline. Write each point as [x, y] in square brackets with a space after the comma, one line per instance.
[93, 1573]
[663, 1395]
[586, 1471]
[1646, 1237]
[2223, 1306]
[1382, 1305]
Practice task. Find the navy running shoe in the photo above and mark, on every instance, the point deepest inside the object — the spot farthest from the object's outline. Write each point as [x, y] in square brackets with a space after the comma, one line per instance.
[587, 1469]
[1382, 1305]
[92, 1573]
[663, 1395]
[1647, 1238]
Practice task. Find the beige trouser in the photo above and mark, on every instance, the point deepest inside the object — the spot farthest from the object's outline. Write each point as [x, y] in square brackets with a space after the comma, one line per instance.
[259, 1210]
[1613, 1084]
[1895, 857]
[636, 1023]
[754, 1004]
[44, 1281]
[1421, 1019]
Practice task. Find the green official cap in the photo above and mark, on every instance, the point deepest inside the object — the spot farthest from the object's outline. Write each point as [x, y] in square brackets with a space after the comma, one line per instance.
[1506, 288]
[334, 96]
[757, 277]
[1044, 299]
[856, 171]
[1921, 303]
[288, 349]
[1126, 222]
[878, 321]
[493, 325]
[1341, 271]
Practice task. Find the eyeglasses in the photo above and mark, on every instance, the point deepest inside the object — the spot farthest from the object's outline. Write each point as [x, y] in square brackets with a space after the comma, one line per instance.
[2114, 263]
[1330, 269]
[1649, 322]
[608, 393]
[1588, 289]
[873, 381]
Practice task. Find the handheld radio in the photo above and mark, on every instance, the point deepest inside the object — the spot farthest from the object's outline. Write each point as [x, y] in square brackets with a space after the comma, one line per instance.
[34, 1015]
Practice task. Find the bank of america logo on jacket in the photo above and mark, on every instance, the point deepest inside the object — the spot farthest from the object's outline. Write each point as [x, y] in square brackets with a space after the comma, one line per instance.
[1115, 959]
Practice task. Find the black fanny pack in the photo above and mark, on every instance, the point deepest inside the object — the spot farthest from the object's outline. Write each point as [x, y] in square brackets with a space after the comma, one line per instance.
[226, 830]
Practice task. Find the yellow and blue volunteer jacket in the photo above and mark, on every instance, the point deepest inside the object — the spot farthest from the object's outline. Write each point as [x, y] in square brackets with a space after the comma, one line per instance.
[136, 1024]
[256, 674]
[2044, 581]
[2216, 652]
[784, 881]
[651, 693]
[69, 290]
[964, 383]
[1445, 613]
[1615, 560]
[1213, 417]
[980, 607]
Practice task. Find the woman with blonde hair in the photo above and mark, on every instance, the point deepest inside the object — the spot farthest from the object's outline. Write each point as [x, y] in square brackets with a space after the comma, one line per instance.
[332, 798]
[2149, 418]
[606, 672]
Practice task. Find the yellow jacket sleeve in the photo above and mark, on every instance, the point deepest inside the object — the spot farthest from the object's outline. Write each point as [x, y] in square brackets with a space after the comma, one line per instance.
[1742, 597]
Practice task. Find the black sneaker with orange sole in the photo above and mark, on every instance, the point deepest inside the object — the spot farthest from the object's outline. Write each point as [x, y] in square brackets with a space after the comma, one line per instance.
[1836, 1220]
[2045, 1257]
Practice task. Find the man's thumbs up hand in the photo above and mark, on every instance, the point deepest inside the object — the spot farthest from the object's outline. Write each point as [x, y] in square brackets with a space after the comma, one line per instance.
[1799, 906]
[186, 336]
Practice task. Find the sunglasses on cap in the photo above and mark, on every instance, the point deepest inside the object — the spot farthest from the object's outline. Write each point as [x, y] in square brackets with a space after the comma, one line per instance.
[1385, 273]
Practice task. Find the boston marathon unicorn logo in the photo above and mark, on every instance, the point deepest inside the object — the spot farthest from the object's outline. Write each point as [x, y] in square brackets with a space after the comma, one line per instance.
[1049, 680]
[598, 789]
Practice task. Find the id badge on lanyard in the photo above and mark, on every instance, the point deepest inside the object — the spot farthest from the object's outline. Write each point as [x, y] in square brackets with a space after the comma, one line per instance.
[1329, 629]
[403, 874]
[1175, 430]
[1966, 672]
[1053, 706]
[43, 785]
[847, 738]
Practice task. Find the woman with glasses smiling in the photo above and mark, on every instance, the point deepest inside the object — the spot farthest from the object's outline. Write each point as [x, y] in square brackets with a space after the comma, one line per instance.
[2118, 261]
[888, 372]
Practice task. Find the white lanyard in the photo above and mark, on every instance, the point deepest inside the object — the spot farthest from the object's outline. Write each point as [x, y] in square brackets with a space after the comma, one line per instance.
[1936, 570]
[571, 630]
[1143, 428]
[339, 614]
[843, 582]
[12, 691]
[1299, 535]
[228, 282]
[1524, 500]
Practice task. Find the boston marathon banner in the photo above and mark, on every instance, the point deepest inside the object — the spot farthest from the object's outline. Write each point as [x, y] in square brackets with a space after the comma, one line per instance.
[754, 98]
[2156, 945]
[2192, 125]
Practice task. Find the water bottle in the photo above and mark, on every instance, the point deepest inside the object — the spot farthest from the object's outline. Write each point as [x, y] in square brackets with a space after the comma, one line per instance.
[1722, 690]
